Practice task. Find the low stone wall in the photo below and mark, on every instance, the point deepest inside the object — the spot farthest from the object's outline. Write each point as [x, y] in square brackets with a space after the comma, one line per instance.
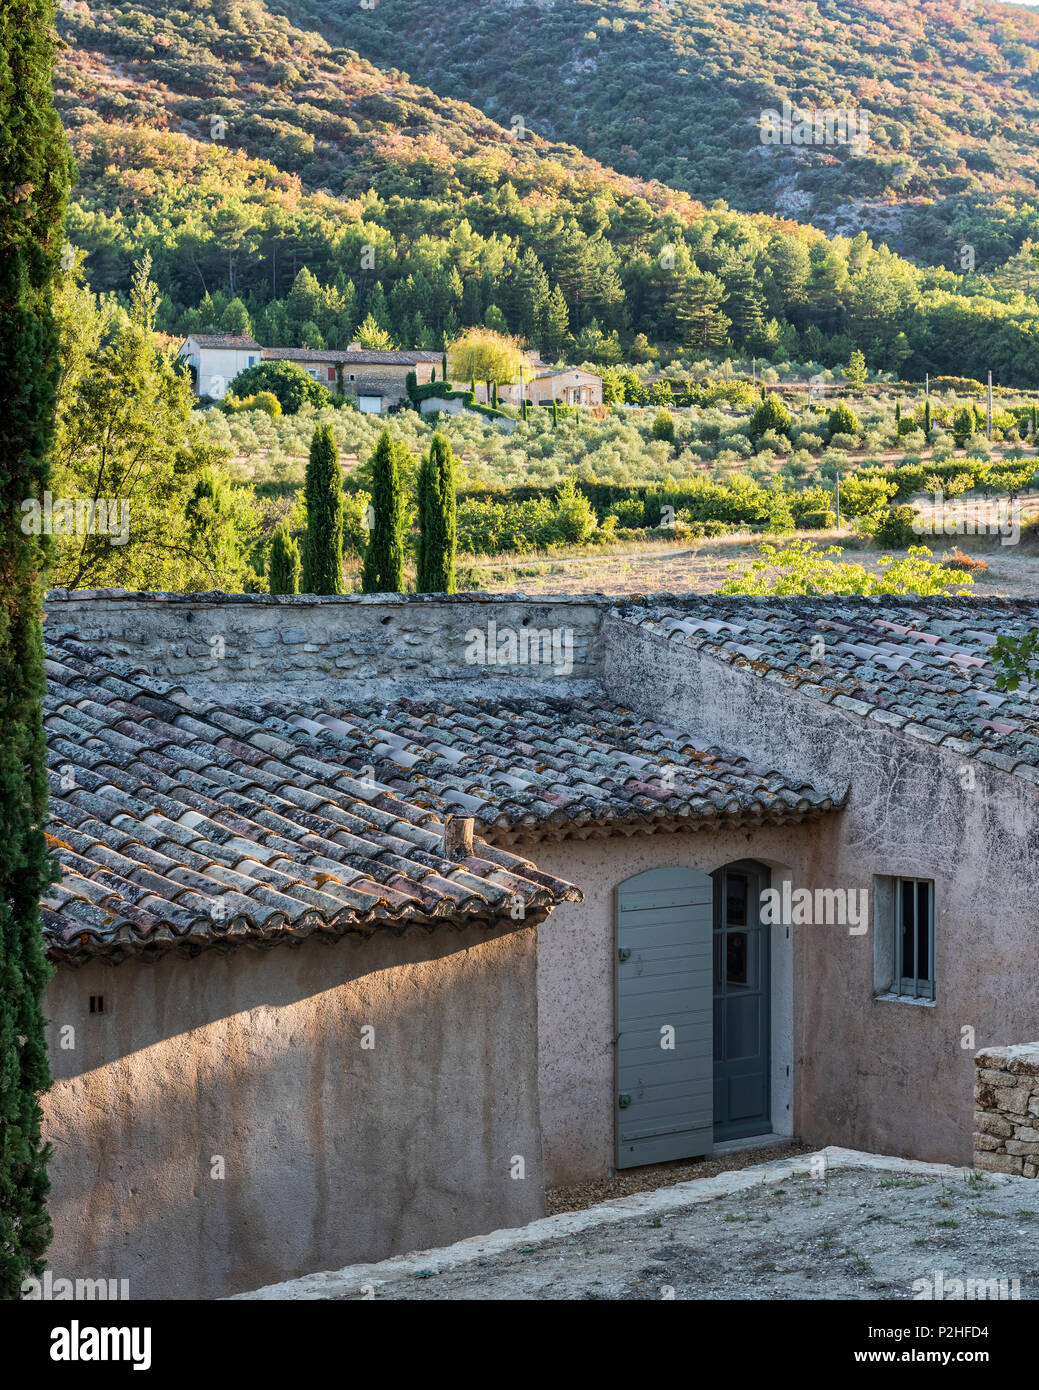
[1006, 1117]
[287, 642]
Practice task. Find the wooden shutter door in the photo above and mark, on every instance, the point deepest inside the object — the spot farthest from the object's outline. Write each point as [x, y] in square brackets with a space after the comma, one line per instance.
[665, 1093]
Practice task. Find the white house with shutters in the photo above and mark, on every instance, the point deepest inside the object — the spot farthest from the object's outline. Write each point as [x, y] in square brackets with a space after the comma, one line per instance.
[217, 358]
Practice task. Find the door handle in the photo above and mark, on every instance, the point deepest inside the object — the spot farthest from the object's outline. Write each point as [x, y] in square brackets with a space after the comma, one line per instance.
[624, 1100]
[624, 953]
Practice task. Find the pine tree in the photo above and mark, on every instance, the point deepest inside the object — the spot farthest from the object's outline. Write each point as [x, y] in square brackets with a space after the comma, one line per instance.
[283, 563]
[437, 510]
[383, 571]
[36, 172]
[556, 327]
[323, 540]
[699, 316]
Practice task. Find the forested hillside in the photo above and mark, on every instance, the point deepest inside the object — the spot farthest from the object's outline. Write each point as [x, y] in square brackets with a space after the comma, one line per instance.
[674, 90]
[292, 188]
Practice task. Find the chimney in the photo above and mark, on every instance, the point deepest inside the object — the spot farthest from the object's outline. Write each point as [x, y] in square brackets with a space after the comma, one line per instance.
[458, 837]
[353, 347]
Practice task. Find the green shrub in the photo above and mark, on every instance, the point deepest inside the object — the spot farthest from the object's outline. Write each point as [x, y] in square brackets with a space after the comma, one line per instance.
[771, 414]
[817, 521]
[291, 386]
[843, 420]
[894, 528]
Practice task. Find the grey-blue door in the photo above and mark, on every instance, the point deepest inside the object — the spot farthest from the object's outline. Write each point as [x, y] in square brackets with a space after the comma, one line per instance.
[664, 1035]
[741, 1004]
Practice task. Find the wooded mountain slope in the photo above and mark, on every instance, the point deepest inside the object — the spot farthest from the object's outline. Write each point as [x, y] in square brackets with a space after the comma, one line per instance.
[674, 90]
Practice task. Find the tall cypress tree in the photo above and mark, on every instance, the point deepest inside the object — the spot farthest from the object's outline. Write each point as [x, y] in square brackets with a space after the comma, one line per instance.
[35, 173]
[323, 541]
[283, 564]
[383, 571]
[437, 510]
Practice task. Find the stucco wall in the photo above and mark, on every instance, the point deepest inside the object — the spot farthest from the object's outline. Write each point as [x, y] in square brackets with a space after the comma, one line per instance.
[576, 978]
[882, 1075]
[333, 1153]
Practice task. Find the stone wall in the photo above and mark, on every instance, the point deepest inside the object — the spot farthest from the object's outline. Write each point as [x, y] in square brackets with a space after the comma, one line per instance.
[1006, 1115]
[388, 641]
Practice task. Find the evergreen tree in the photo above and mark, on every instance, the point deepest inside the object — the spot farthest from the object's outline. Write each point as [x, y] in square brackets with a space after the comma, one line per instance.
[443, 366]
[555, 414]
[437, 510]
[699, 316]
[323, 540]
[35, 172]
[283, 562]
[383, 571]
[556, 329]
[898, 413]
[855, 371]
[927, 419]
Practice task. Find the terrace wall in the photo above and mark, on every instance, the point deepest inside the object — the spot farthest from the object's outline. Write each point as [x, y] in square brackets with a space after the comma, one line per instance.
[1006, 1115]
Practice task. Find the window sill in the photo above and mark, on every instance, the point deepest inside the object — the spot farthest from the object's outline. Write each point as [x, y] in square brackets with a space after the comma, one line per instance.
[889, 998]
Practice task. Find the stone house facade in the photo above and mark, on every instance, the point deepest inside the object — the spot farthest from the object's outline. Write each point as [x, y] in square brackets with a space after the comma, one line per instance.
[610, 880]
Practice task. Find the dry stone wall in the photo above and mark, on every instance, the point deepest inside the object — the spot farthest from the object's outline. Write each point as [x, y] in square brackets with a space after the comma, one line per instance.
[1006, 1116]
[384, 641]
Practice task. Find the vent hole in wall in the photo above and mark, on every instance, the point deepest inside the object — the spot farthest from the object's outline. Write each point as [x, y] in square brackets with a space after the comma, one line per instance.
[384, 621]
[97, 1003]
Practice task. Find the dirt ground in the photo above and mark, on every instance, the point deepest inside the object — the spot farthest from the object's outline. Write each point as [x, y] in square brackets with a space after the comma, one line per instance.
[656, 1175]
[854, 1234]
[703, 568]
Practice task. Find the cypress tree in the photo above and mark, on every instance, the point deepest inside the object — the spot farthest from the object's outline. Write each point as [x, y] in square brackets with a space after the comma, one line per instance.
[927, 419]
[472, 388]
[323, 540]
[443, 366]
[898, 412]
[283, 563]
[494, 394]
[437, 519]
[555, 414]
[1033, 419]
[35, 173]
[383, 571]
[523, 408]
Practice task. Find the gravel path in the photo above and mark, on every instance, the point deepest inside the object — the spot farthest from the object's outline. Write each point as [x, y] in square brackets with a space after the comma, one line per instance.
[854, 1234]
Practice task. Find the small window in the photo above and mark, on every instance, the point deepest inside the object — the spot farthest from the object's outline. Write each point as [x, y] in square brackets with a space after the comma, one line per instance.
[97, 1003]
[251, 361]
[904, 954]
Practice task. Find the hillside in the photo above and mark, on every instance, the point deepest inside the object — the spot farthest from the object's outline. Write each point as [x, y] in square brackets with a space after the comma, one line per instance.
[292, 188]
[674, 90]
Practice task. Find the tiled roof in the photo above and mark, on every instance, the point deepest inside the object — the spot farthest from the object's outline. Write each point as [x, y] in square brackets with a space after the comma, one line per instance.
[921, 666]
[224, 340]
[362, 357]
[181, 825]
[528, 766]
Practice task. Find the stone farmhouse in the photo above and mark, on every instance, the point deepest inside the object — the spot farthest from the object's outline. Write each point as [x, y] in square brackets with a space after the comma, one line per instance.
[379, 915]
[376, 380]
